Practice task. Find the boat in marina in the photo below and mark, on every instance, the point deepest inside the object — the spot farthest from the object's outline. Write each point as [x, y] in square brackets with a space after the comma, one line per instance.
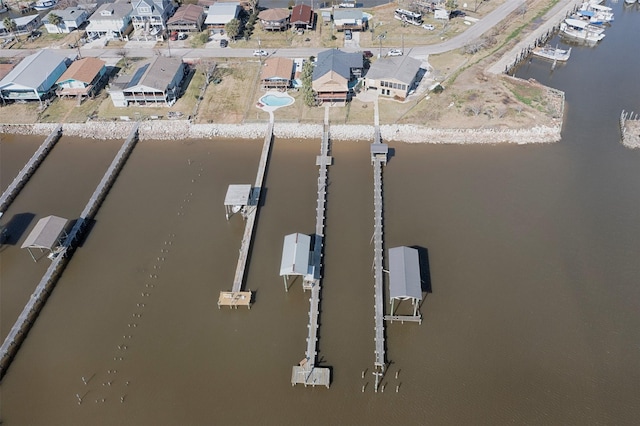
[629, 2]
[552, 53]
[44, 4]
[581, 30]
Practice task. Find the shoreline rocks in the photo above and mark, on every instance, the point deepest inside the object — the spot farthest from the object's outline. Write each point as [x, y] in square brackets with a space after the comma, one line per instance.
[183, 129]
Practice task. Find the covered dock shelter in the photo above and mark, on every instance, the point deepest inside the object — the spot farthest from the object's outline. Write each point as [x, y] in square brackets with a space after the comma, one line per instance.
[379, 150]
[295, 257]
[238, 197]
[46, 235]
[404, 281]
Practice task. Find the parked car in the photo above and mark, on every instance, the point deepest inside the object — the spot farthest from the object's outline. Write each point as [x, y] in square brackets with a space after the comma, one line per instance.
[456, 13]
[182, 36]
[367, 54]
[428, 27]
[173, 36]
[348, 35]
[394, 52]
[260, 53]
[224, 42]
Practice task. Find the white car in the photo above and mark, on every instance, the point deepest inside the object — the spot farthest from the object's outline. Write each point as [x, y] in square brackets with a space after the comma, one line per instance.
[260, 53]
[428, 27]
[394, 52]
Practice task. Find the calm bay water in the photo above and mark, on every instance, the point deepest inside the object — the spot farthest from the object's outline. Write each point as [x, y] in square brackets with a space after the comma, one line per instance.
[533, 313]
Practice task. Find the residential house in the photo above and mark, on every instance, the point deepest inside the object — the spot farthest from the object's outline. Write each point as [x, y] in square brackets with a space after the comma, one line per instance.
[72, 18]
[274, 19]
[205, 4]
[394, 76]
[188, 18]
[220, 14]
[349, 19]
[156, 82]
[84, 77]
[277, 73]
[302, 17]
[24, 25]
[33, 79]
[151, 15]
[335, 74]
[112, 20]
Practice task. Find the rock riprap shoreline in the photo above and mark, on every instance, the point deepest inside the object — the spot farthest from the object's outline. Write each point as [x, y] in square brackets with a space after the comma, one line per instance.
[183, 129]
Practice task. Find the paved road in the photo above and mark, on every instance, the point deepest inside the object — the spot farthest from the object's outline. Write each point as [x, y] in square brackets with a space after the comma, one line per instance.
[472, 33]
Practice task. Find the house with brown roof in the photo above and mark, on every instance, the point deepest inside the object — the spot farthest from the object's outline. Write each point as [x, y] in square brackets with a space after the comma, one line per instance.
[277, 73]
[274, 19]
[84, 77]
[302, 17]
[188, 18]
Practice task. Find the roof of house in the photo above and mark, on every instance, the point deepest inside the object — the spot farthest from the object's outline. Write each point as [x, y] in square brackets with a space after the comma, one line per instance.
[156, 74]
[187, 12]
[33, 70]
[117, 10]
[301, 13]
[277, 67]
[21, 21]
[401, 68]
[84, 70]
[337, 61]
[221, 13]
[341, 14]
[274, 14]
[68, 14]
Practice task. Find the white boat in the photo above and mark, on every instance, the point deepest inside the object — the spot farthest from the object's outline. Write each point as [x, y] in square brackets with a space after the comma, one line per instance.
[581, 30]
[552, 53]
[44, 4]
[629, 1]
[596, 13]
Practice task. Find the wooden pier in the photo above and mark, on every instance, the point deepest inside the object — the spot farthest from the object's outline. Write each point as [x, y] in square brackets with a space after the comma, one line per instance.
[378, 158]
[630, 129]
[28, 170]
[306, 372]
[237, 297]
[37, 300]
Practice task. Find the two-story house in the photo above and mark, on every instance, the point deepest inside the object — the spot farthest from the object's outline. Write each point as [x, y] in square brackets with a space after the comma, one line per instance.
[151, 15]
[112, 20]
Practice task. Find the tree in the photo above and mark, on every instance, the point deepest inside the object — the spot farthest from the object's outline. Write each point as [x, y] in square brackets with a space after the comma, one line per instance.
[232, 28]
[55, 20]
[10, 25]
[253, 4]
[308, 96]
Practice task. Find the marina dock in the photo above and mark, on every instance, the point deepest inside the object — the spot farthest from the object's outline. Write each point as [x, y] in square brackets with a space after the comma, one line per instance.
[236, 297]
[39, 297]
[306, 372]
[28, 170]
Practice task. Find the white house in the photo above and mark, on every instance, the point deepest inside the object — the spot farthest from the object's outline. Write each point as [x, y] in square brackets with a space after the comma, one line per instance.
[112, 20]
[72, 18]
[352, 19]
[151, 15]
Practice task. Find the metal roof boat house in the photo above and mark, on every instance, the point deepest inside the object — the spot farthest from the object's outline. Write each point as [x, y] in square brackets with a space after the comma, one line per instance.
[404, 281]
[34, 78]
[46, 235]
[153, 83]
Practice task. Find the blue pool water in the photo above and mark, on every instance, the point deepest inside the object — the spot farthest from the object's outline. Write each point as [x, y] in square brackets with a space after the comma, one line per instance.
[271, 100]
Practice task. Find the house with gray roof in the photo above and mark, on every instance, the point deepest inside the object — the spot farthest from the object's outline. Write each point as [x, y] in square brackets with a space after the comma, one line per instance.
[112, 20]
[349, 19]
[24, 25]
[220, 14]
[335, 74]
[34, 78]
[394, 76]
[151, 15]
[72, 18]
[156, 82]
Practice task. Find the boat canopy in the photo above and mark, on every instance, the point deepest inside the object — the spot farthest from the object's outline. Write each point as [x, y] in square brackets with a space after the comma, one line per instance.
[576, 23]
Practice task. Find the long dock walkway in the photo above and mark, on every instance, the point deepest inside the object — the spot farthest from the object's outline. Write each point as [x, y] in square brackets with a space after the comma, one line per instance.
[28, 170]
[37, 300]
[236, 297]
[378, 161]
[306, 371]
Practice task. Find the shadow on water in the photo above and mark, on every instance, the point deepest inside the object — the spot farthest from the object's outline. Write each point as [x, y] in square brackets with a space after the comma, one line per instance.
[15, 228]
[425, 271]
[88, 227]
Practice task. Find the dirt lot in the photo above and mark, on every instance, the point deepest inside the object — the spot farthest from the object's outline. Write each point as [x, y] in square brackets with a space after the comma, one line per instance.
[471, 98]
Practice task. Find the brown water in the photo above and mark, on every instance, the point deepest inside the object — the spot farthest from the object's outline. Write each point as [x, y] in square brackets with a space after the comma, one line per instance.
[532, 319]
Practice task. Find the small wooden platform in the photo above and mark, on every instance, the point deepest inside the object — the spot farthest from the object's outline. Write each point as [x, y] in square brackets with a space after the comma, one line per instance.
[311, 377]
[233, 299]
[324, 160]
[403, 318]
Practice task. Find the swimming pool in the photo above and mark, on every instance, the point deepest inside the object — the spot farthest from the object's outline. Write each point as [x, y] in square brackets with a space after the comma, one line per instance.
[276, 101]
